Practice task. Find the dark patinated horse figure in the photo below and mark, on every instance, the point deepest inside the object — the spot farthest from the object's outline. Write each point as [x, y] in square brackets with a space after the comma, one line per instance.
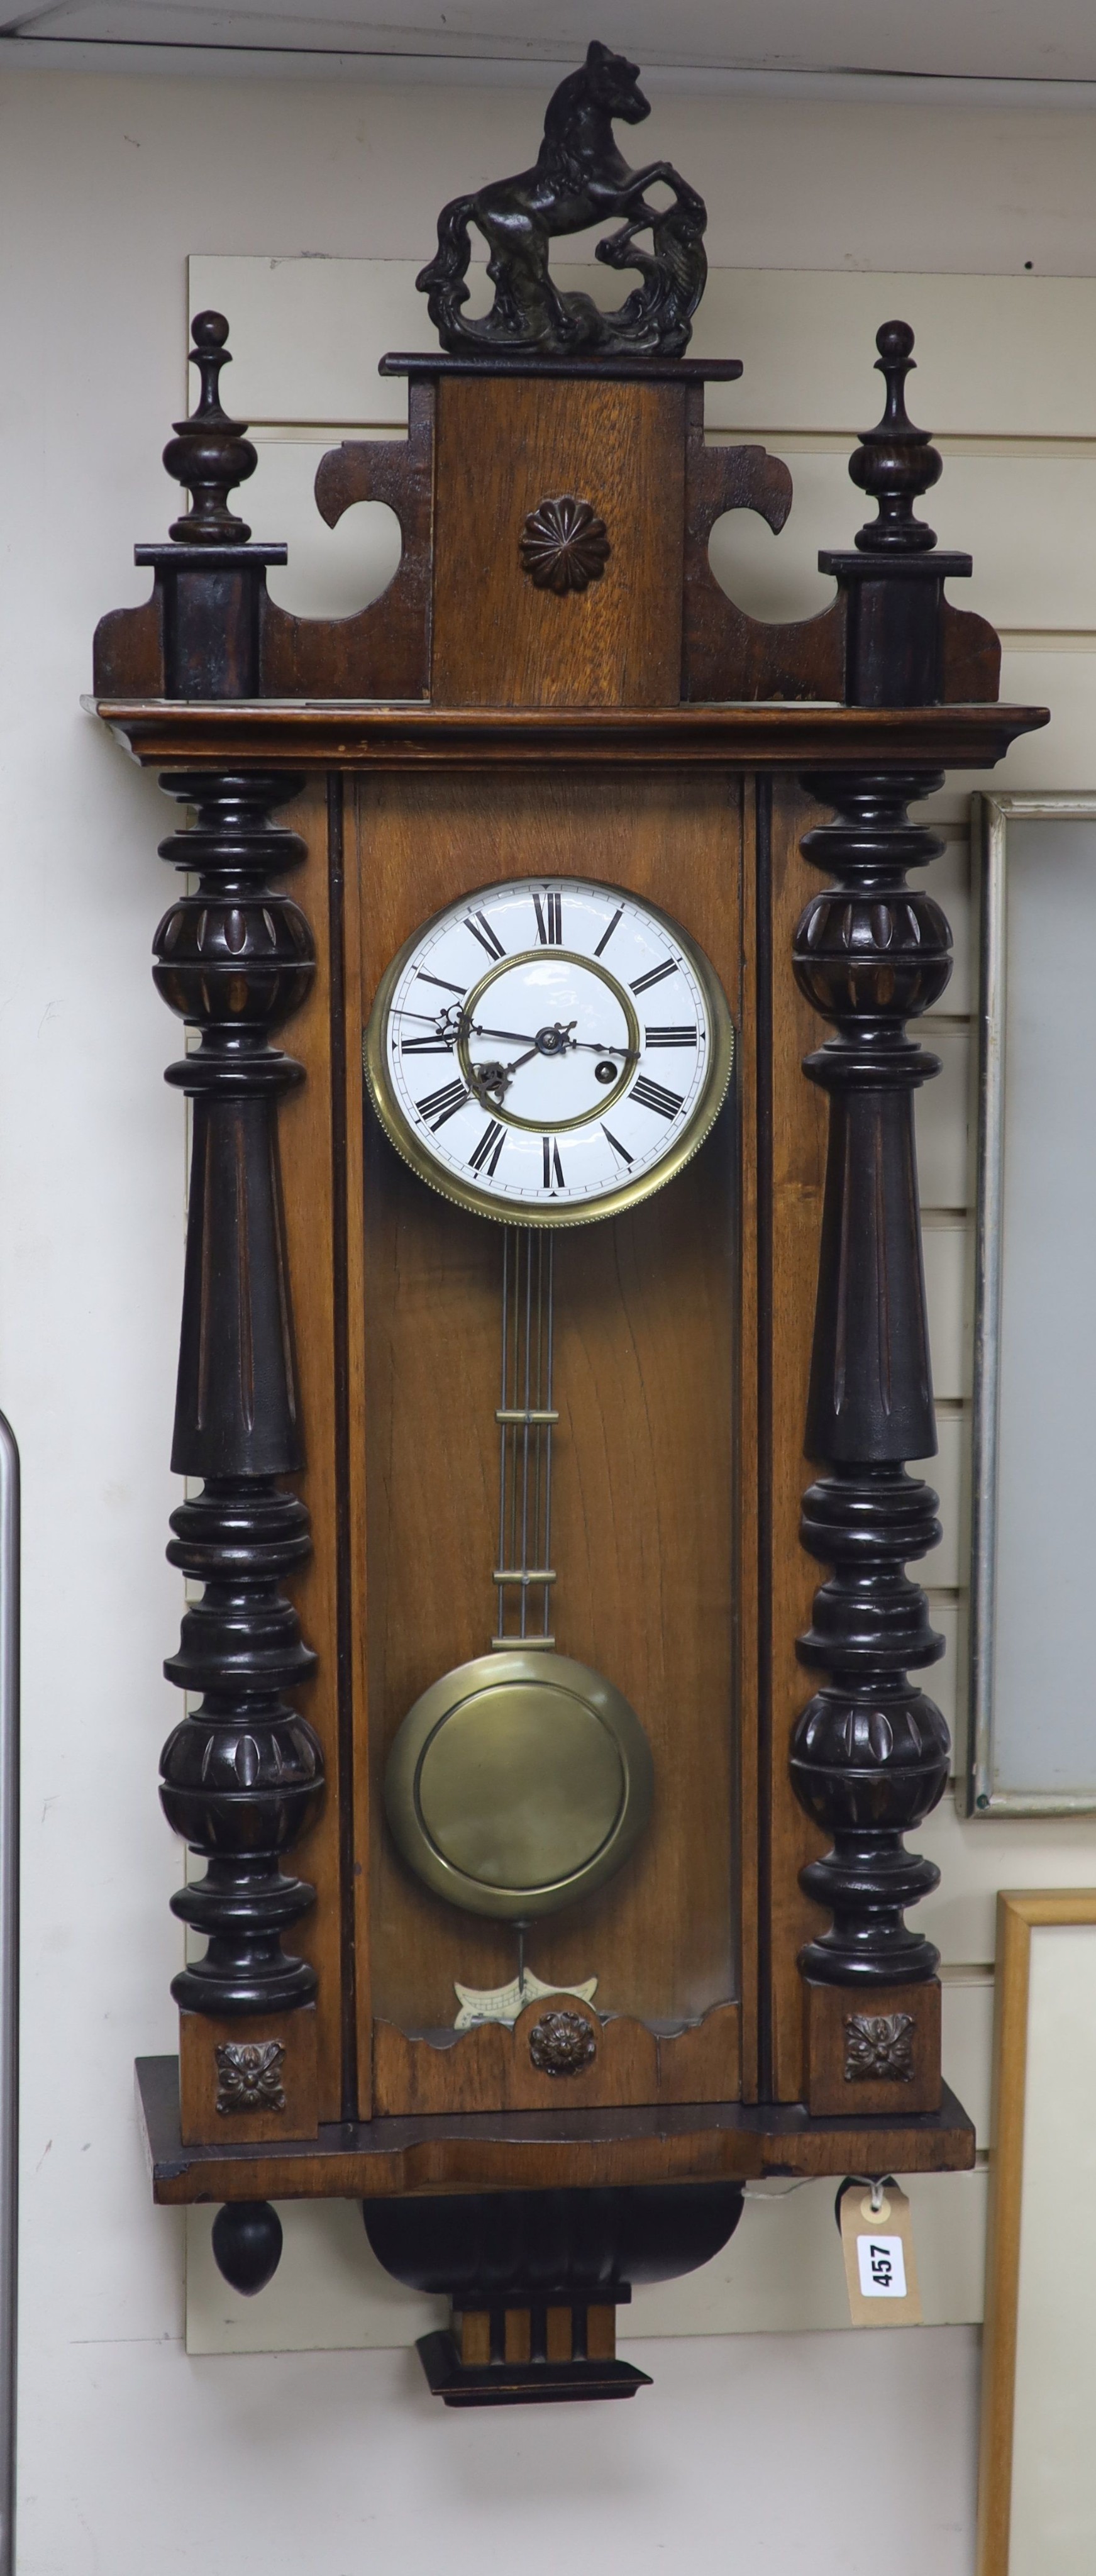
[579, 179]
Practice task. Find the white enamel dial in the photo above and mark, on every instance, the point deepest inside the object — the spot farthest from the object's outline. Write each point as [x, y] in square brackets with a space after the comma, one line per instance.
[549, 1050]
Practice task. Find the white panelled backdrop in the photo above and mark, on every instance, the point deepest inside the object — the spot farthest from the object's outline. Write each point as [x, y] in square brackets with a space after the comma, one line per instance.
[135, 2451]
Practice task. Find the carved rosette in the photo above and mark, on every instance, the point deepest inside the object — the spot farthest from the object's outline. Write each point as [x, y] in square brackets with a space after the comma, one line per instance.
[242, 1775]
[249, 2075]
[564, 546]
[879, 2048]
[869, 1755]
[561, 2043]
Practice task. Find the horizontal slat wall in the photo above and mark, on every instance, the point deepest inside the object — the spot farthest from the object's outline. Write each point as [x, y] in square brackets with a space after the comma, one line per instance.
[1007, 378]
[999, 357]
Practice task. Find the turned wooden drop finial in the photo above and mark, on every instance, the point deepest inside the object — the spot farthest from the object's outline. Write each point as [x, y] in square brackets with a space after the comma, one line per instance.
[210, 453]
[895, 462]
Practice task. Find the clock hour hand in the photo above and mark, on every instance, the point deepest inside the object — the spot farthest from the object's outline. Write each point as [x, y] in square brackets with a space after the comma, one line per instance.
[492, 1081]
[612, 1046]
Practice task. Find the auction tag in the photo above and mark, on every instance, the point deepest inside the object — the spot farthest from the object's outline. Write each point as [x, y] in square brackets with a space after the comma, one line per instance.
[880, 2268]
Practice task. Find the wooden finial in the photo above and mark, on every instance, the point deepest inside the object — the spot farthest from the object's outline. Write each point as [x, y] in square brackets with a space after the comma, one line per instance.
[895, 462]
[210, 452]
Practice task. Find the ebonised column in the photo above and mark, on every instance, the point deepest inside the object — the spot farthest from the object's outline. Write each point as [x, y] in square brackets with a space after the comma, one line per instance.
[869, 1755]
[241, 1776]
[870, 1752]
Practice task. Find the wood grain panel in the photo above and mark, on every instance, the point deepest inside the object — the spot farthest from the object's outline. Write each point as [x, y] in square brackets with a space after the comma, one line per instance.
[357, 1415]
[798, 1172]
[505, 445]
[305, 1137]
[747, 1456]
[643, 1522]
[633, 2065]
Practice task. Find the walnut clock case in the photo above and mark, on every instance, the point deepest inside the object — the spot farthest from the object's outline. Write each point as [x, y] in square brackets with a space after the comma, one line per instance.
[549, 1801]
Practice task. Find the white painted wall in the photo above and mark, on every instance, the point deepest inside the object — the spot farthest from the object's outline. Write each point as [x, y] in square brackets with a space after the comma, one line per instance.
[133, 2453]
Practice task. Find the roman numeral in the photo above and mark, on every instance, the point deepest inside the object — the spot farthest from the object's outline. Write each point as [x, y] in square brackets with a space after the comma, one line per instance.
[663, 1035]
[443, 1104]
[481, 929]
[654, 975]
[426, 1046]
[617, 1147]
[549, 912]
[553, 1168]
[652, 1095]
[441, 982]
[607, 934]
[486, 1155]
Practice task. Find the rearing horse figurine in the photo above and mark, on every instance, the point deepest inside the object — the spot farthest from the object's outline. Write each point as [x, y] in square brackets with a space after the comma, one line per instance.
[579, 179]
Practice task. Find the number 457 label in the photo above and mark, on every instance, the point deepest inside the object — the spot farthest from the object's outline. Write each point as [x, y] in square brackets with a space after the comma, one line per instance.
[880, 2268]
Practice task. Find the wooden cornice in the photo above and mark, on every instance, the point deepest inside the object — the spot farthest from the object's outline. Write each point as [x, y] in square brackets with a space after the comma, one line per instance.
[366, 734]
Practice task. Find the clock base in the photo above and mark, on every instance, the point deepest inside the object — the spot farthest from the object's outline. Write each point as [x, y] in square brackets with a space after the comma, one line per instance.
[534, 2280]
[534, 2380]
[528, 2152]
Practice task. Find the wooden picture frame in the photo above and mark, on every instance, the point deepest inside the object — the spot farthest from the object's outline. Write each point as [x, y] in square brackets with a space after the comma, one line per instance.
[1037, 2484]
[1029, 1329]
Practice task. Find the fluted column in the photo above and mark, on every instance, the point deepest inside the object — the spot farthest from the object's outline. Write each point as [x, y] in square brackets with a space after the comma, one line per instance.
[242, 1775]
[870, 1751]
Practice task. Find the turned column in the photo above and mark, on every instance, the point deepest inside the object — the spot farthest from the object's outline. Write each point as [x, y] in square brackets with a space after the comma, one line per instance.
[870, 1752]
[241, 1775]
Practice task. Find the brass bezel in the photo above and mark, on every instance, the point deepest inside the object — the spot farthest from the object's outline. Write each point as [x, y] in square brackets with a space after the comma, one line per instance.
[539, 1671]
[470, 1194]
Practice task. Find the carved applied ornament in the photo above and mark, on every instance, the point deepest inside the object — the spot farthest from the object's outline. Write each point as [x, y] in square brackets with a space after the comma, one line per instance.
[580, 178]
[249, 2075]
[564, 545]
[879, 2048]
[561, 2043]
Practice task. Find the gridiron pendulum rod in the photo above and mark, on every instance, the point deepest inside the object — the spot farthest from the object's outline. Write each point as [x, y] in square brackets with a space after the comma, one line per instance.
[526, 1388]
[525, 1416]
[544, 1430]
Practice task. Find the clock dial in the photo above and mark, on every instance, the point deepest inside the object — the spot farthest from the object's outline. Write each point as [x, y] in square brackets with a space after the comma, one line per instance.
[548, 1051]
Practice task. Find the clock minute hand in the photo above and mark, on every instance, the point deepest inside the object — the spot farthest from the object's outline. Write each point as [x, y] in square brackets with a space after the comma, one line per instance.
[522, 1037]
[589, 1046]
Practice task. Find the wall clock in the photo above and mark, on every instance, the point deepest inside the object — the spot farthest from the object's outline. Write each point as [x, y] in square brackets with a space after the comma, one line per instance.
[550, 1754]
